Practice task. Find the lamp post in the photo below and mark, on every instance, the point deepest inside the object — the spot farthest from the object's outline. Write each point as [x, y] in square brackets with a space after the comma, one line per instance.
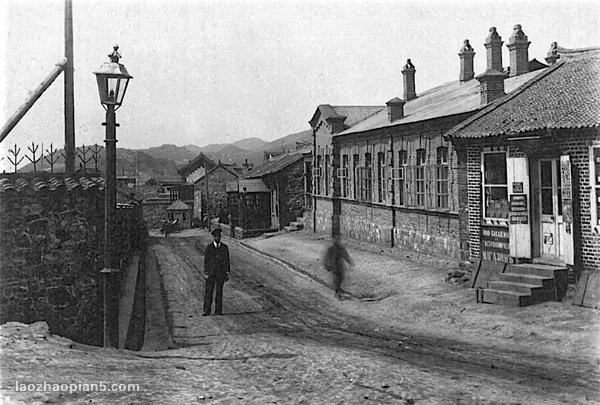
[112, 78]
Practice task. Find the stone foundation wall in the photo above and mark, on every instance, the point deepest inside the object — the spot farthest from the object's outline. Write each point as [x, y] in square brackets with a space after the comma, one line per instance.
[51, 254]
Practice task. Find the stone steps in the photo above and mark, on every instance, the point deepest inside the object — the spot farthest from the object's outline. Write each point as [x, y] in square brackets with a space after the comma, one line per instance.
[525, 284]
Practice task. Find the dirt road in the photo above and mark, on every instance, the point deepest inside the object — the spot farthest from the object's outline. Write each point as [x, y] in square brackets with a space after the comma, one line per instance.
[283, 339]
[379, 361]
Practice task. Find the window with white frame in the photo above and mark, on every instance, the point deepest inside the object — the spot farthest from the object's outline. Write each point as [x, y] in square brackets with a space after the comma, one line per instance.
[327, 173]
[355, 166]
[344, 181]
[495, 186]
[420, 177]
[442, 177]
[380, 176]
[317, 174]
[595, 189]
[401, 175]
[365, 180]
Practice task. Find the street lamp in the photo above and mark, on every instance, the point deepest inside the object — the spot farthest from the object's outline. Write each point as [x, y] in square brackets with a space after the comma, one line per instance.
[112, 80]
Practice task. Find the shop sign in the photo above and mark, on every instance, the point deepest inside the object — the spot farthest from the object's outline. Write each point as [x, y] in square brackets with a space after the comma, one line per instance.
[518, 209]
[495, 244]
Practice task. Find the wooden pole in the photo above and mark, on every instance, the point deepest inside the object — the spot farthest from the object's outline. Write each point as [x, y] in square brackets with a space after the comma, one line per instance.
[22, 110]
[69, 91]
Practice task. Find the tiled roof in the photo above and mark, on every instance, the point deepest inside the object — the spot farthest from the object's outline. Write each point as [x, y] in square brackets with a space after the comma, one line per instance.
[567, 95]
[178, 206]
[194, 164]
[36, 184]
[352, 114]
[275, 164]
[356, 114]
[447, 99]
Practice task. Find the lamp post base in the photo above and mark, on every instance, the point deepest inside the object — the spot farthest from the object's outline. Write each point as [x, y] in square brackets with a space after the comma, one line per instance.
[110, 280]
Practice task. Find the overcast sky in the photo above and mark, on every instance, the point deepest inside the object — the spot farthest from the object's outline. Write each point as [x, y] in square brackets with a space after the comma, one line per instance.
[219, 71]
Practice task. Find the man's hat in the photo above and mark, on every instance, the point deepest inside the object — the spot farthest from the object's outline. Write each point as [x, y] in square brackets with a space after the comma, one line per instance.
[216, 231]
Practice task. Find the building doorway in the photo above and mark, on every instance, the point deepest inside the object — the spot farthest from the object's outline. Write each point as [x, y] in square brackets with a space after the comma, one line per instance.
[552, 227]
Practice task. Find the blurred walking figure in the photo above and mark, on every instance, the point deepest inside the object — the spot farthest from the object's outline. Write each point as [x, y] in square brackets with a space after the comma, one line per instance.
[216, 273]
[336, 259]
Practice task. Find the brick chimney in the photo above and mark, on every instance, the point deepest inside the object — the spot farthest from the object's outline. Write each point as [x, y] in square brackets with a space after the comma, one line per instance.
[493, 48]
[409, 80]
[552, 55]
[466, 55]
[395, 108]
[519, 54]
[491, 82]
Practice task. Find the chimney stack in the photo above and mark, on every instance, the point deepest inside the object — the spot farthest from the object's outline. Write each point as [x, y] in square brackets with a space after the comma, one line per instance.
[519, 55]
[409, 80]
[552, 55]
[466, 55]
[395, 108]
[493, 47]
[491, 82]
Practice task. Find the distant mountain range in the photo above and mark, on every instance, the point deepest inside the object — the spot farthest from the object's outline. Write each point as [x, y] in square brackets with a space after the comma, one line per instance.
[162, 162]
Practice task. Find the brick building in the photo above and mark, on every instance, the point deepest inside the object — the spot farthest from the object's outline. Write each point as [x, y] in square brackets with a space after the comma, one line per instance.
[532, 160]
[390, 177]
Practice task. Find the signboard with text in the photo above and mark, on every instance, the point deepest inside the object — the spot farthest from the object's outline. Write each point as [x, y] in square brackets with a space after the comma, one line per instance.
[495, 244]
[518, 209]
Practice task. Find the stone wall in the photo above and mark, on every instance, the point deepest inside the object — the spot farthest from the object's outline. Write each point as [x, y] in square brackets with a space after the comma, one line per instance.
[323, 217]
[425, 232]
[51, 255]
[416, 230]
[367, 223]
[294, 193]
[155, 212]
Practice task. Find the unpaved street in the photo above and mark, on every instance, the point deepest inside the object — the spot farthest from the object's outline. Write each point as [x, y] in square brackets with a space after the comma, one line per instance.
[285, 339]
[379, 361]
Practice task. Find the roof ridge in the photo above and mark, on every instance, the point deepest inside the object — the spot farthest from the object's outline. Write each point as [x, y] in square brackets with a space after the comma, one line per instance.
[503, 100]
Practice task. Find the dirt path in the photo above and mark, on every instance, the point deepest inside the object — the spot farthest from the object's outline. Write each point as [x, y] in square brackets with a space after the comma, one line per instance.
[284, 339]
[266, 298]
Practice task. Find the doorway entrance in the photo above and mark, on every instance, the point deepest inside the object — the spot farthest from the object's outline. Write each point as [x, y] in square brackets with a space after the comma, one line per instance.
[552, 227]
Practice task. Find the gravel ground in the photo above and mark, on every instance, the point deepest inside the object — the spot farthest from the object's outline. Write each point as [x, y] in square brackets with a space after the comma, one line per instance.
[403, 336]
[410, 291]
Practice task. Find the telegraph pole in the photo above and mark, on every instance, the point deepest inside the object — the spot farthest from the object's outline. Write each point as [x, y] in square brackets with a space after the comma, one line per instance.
[69, 91]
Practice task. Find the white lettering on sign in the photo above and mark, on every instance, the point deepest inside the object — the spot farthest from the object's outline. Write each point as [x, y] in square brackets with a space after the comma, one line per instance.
[565, 177]
[494, 244]
[495, 256]
[493, 233]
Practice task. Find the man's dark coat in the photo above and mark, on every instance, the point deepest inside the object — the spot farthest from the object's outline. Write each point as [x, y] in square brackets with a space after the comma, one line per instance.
[216, 261]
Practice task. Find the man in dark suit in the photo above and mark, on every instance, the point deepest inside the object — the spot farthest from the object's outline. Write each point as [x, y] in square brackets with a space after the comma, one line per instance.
[216, 273]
